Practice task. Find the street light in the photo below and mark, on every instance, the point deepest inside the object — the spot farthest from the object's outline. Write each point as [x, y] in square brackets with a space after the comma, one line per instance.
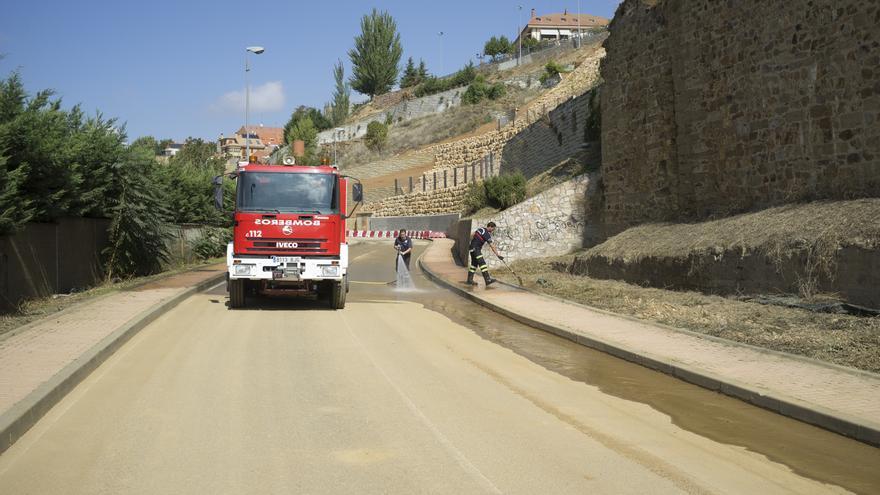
[440, 36]
[256, 50]
[519, 35]
[336, 132]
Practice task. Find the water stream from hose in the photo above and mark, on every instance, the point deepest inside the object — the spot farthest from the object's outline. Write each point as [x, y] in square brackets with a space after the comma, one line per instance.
[404, 281]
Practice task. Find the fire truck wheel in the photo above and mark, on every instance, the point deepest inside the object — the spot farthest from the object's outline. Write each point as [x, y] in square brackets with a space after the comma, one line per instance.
[236, 293]
[337, 295]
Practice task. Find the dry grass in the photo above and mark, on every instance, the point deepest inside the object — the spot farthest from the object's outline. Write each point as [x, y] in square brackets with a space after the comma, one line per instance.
[841, 339]
[815, 230]
[777, 232]
[418, 133]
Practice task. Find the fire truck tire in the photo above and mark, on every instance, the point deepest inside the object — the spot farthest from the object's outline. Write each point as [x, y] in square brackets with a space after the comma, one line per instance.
[236, 293]
[337, 296]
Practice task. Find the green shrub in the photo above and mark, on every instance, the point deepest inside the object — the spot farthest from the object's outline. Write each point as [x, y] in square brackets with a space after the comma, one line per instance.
[377, 135]
[504, 191]
[479, 90]
[434, 85]
[213, 243]
[475, 198]
[551, 70]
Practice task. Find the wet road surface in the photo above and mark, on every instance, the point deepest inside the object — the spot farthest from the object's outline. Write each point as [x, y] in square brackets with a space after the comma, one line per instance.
[404, 392]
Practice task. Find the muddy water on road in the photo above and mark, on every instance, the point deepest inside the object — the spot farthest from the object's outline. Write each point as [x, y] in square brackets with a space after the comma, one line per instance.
[807, 450]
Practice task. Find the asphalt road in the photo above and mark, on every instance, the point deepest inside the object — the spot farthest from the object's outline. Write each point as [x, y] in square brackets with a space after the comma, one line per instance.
[386, 396]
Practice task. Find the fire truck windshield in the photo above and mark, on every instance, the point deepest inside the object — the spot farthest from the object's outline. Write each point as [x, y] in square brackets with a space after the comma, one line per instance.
[288, 192]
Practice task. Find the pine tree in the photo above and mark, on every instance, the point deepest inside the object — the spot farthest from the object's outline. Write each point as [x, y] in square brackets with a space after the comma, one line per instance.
[341, 95]
[376, 54]
[423, 71]
[410, 75]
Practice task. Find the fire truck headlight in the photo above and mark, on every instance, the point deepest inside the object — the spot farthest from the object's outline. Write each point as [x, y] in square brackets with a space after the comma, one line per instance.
[330, 271]
[241, 270]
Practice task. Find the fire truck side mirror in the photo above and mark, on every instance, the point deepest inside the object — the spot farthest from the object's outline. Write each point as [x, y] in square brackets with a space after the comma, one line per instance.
[357, 192]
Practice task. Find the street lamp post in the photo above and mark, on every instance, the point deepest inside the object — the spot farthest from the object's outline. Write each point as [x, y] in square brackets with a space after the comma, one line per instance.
[579, 25]
[440, 37]
[519, 35]
[256, 50]
[336, 132]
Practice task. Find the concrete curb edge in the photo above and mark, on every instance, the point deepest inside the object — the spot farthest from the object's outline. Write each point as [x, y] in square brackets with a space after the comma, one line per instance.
[15, 422]
[786, 406]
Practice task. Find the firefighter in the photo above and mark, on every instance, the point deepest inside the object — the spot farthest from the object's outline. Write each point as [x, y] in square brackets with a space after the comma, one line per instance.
[403, 244]
[482, 236]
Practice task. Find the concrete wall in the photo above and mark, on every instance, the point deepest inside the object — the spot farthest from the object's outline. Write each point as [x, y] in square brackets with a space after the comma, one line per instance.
[50, 258]
[407, 109]
[437, 223]
[715, 107]
[57, 258]
[548, 224]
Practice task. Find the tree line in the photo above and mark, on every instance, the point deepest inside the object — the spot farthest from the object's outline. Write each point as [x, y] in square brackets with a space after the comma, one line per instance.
[375, 61]
[57, 163]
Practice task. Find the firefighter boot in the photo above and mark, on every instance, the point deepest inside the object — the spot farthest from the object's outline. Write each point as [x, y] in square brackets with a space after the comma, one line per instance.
[489, 280]
[470, 280]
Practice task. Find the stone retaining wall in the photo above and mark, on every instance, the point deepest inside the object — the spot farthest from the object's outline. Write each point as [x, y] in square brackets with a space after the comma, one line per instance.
[554, 108]
[717, 107]
[420, 203]
[548, 224]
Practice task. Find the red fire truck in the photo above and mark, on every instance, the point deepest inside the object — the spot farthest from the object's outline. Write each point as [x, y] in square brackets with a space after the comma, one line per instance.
[289, 233]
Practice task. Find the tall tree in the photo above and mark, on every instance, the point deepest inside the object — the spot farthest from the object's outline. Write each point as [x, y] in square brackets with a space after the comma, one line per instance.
[376, 54]
[137, 230]
[319, 121]
[305, 131]
[496, 46]
[199, 153]
[341, 95]
[423, 70]
[410, 75]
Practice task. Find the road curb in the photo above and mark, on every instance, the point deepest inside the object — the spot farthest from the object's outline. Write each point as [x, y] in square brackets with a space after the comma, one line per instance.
[15, 422]
[808, 413]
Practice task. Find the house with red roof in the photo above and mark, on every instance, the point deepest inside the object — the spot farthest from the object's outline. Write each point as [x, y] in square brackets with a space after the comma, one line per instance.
[560, 26]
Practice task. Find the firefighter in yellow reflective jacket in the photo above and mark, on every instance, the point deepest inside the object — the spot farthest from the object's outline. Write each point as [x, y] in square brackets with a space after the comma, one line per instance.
[482, 236]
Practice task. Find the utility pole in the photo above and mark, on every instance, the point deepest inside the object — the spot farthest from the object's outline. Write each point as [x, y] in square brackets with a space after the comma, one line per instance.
[519, 36]
[579, 25]
[256, 50]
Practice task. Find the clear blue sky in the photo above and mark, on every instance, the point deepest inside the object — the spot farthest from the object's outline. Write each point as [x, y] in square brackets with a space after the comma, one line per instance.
[176, 69]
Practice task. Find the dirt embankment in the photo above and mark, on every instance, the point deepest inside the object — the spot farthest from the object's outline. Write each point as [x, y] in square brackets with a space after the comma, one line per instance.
[841, 339]
[805, 238]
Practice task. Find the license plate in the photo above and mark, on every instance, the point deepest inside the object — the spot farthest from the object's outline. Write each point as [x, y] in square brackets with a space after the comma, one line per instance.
[285, 259]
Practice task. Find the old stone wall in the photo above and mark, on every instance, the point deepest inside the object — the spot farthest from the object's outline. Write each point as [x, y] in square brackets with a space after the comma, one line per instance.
[447, 200]
[715, 107]
[550, 108]
[548, 224]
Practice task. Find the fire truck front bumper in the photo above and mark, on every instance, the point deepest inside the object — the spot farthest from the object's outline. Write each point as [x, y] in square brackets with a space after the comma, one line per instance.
[291, 268]
[285, 268]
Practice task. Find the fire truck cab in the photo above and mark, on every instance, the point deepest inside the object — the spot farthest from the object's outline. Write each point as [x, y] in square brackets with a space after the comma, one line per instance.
[289, 233]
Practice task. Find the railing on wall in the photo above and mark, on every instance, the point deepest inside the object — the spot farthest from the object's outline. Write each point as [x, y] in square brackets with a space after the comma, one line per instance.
[438, 179]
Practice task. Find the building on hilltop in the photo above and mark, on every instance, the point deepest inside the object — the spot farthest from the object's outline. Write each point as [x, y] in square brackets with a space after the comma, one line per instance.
[263, 141]
[559, 26]
[172, 149]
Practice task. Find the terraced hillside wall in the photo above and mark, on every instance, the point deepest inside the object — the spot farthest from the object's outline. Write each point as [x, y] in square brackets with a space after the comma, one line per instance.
[551, 108]
[716, 107]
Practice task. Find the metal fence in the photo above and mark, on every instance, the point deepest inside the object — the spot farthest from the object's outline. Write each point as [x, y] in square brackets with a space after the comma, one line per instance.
[448, 177]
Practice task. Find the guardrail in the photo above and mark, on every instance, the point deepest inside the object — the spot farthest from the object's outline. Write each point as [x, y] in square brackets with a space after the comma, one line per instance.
[390, 234]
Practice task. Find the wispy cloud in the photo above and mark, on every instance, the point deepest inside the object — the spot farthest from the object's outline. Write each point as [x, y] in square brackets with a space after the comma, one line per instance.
[268, 97]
